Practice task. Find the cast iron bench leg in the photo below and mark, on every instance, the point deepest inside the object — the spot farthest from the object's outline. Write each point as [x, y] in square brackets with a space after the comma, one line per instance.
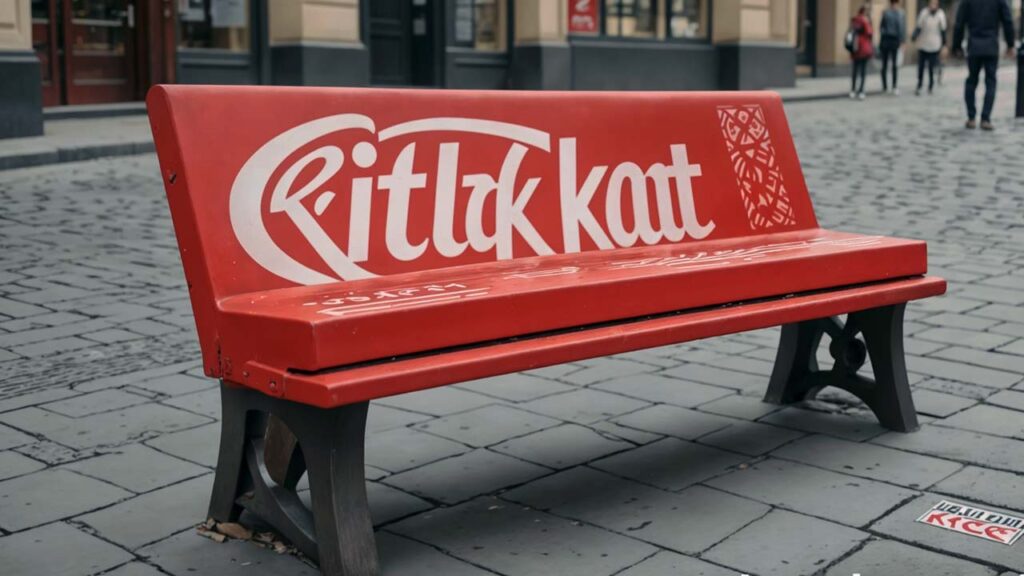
[796, 375]
[266, 445]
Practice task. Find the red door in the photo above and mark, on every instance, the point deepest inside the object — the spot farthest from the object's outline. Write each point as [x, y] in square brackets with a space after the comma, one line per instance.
[99, 51]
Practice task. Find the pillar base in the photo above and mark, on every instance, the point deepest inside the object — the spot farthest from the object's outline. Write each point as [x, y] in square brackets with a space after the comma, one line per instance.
[753, 66]
[320, 64]
[541, 66]
[21, 96]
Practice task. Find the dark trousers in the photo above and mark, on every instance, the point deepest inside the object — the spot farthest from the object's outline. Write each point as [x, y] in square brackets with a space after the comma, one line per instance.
[929, 60]
[889, 53]
[974, 67]
[860, 71]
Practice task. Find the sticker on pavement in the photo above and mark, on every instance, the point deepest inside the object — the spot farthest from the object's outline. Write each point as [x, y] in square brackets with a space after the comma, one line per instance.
[973, 521]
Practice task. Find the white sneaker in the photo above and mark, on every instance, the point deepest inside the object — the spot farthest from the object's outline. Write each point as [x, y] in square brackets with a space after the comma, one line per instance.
[861, 96]
[895, 91]
[853, 95]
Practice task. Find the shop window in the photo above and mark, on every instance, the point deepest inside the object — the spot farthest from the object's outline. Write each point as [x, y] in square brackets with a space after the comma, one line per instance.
[480, 24]
[631, 18]
[687, 19]
[214, 24]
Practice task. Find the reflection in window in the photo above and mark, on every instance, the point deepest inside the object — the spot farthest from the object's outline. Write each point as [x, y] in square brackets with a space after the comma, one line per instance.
[98, 27]
[686, 19]
[214, 24]
[41, 36]
[480, 24]
[630, 18]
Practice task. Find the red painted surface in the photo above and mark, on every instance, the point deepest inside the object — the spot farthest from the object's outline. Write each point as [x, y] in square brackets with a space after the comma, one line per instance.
[325, 227]
[583, 16]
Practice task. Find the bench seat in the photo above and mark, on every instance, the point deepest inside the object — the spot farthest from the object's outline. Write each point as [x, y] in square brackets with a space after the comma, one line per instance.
[358, 383]
[332, 326]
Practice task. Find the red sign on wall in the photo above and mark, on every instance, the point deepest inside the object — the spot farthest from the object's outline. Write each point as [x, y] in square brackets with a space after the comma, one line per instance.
[583, 18]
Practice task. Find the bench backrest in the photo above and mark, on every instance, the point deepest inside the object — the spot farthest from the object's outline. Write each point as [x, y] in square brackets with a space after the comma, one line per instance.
[274, 187]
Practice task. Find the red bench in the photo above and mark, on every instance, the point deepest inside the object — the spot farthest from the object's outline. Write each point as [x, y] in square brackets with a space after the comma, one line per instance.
[342, 245]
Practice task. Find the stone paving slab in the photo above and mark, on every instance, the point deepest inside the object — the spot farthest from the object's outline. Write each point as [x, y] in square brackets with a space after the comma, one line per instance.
[688, 522]
[531, 542]
[900, 525]
[58, 548]
[886, 557]
[783, 543]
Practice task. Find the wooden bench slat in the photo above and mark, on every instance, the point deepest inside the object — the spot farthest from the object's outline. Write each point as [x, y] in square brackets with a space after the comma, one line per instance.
[387, 379]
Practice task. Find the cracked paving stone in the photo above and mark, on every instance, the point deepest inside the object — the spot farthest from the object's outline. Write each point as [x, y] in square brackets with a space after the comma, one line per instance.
[982, 485]
[403, 557]
[688, 522]
[513, 540]
[49, 495]
[519, 387]
[190, 553]
[674, 421]
[671, 464]
[784, 543]
[488, 425]
[106, 428]
[137, 468]
[887, 557]
[868, 461]
[404, 448]
[669, 563]
[465, 476]
[31, 553]
[662, 389]
[959, 445]
[155, 515]
[900, 524]
[14, 464]
[844, 499]
[851, 427]
[584, 406]
[562, 446]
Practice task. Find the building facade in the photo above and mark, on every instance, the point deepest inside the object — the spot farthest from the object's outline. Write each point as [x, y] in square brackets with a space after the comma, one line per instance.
[68, 52]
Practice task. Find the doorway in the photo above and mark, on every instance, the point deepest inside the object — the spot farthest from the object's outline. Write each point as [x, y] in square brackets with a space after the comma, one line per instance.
[87, 50]
[806, 38]
[403, 42]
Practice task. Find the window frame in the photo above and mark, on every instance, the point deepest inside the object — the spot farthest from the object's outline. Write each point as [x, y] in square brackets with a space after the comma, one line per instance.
[603, 36]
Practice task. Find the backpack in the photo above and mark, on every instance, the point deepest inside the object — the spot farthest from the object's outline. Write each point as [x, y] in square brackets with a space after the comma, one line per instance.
[850, 40]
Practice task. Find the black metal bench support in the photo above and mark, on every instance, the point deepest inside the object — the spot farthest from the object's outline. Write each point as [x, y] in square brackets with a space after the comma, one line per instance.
[266, 444]
[796, 375]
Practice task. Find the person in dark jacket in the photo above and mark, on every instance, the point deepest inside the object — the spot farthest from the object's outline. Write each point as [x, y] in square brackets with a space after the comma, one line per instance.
[893, 32]
[982, 19]
[862, 52]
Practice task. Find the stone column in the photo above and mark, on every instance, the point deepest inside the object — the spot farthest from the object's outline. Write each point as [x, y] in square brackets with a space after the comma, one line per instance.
[541, 59]
[756, 41]
[318, 43]
[21, 95]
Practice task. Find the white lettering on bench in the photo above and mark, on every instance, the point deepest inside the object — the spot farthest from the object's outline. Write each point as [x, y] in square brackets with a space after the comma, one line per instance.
[627, 180]
[405, 297]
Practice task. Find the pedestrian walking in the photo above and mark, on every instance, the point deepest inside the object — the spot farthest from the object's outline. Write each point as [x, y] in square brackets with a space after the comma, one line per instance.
[930, 37]
[861, 50]
[893, 33]
[982, 20]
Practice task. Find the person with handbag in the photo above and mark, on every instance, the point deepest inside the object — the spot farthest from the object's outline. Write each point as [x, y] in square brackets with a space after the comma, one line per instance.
[858, 43]
[893, 32]
[929, 36]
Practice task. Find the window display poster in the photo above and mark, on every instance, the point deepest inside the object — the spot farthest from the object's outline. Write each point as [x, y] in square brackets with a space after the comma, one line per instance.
[464, 21]
[191, 11]
[583, 18]
[228, 13]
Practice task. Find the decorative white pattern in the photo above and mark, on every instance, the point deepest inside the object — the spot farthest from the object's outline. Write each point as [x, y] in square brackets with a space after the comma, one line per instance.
[757, 171]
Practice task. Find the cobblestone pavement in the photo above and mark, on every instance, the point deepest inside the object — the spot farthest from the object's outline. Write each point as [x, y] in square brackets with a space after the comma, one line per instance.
[652, 463]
